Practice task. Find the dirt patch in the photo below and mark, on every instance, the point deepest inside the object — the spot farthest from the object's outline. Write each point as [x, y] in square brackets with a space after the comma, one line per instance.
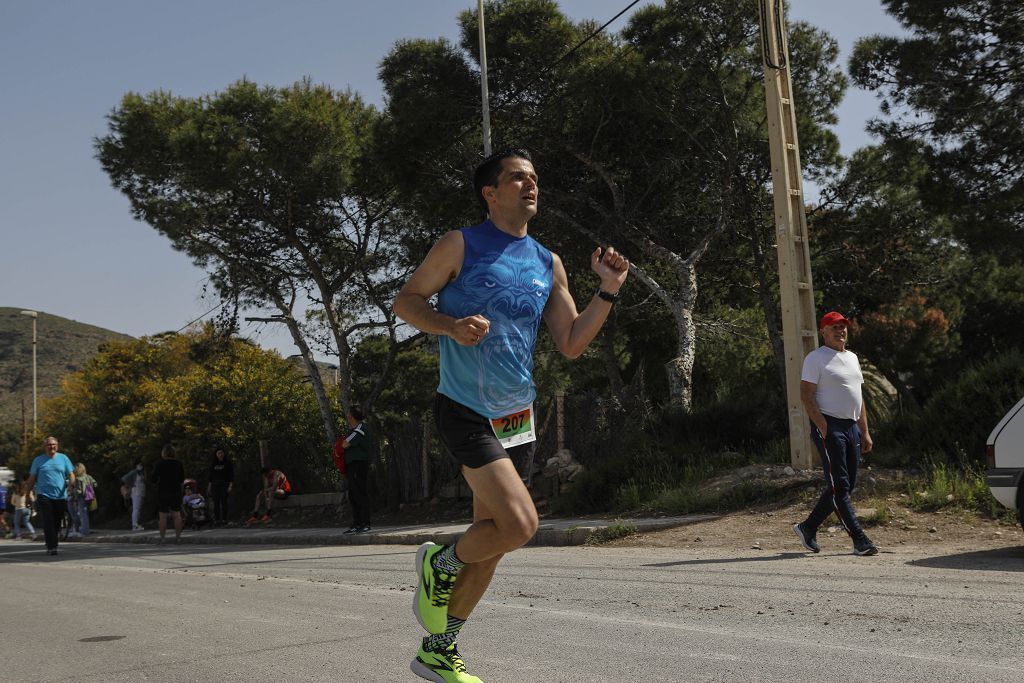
[771, 529]
[880, 503]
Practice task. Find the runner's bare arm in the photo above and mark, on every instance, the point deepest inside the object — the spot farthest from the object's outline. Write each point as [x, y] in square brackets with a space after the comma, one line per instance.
[573, 331]
[441, 266]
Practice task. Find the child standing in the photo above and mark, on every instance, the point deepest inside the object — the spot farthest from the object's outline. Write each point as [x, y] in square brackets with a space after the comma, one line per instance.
[21, 499]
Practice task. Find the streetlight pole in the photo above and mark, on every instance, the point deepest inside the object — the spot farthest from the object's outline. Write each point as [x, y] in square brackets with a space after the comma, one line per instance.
[35, 413]
[485, 105]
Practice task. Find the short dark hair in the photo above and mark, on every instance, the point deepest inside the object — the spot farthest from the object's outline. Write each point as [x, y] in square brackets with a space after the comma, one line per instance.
[487, 172]
[356, 412]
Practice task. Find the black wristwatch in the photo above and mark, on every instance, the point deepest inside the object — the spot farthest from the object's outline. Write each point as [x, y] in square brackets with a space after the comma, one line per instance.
[607, 296]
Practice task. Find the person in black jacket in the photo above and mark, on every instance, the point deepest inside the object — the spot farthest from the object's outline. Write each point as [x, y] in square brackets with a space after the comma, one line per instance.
[357, 471]
[221, 481]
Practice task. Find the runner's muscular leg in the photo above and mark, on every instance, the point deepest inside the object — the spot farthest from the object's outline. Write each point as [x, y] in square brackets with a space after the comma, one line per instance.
[474, 578]
[513, 518]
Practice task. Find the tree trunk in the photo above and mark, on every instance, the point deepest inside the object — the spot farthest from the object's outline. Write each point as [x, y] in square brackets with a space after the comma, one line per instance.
[326, 409]
[680, 368]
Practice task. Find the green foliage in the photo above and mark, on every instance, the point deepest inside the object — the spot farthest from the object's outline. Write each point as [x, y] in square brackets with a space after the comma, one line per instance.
[414, 370]
[10, 442]
[946, 487]
[273, 191]
[654, 461]
[883, 257]
[958, 417]
[734, 359]
[686, 496]
[881, 239]
[198, 391]
[911, 340]
[880, 515]
[621, 456]
[612, 532]
[953, 83]
[993, 295]
[687, 499]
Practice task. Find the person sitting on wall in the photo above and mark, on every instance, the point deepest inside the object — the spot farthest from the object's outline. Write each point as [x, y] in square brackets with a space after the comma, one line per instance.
[275, 487]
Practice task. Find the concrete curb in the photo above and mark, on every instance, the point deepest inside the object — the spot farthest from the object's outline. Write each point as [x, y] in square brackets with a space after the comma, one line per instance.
[556, 532]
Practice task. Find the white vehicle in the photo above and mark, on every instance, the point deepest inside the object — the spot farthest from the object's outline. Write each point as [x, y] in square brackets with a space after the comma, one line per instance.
[1004, 451]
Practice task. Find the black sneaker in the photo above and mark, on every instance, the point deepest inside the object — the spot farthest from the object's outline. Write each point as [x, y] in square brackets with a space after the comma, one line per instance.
[352, 530]
[808, 538]
[862, 545]
[363, 530]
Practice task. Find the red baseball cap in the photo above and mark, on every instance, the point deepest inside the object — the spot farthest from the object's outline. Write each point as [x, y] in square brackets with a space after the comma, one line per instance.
[833, 318]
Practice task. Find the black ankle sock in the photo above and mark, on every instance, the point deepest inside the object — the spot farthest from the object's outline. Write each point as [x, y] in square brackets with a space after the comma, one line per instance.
[440, 641]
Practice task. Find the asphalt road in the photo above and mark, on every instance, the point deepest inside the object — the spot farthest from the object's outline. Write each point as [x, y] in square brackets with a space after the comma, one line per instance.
[119, 612]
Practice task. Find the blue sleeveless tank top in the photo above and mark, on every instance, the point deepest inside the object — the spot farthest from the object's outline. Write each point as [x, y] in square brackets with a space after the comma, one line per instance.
[507, 280]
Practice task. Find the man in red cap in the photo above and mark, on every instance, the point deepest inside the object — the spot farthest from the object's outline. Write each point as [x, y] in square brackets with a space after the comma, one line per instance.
[830, 389]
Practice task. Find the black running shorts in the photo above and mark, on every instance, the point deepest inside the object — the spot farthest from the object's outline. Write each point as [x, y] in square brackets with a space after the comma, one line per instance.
[470, 440]
[168, 503]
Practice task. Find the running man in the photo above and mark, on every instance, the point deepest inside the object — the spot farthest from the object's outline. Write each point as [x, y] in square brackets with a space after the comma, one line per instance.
[494, 284]
[830, 390]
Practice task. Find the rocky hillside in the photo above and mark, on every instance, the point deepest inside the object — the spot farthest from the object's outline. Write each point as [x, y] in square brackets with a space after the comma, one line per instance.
[64, 346]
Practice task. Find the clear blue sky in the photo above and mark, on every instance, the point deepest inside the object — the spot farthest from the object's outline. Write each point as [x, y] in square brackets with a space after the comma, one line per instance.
[68, 245]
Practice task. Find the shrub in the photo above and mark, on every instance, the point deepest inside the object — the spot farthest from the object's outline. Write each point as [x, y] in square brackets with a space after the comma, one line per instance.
[617, 530]
[944, 486]
[635, 456]
[958, 418]
[881, 515]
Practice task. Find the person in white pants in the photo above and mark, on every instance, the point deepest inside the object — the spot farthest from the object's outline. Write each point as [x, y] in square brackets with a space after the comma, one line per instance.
[136, 481]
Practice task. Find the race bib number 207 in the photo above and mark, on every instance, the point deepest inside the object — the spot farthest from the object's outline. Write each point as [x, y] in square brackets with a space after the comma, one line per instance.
[515, 429]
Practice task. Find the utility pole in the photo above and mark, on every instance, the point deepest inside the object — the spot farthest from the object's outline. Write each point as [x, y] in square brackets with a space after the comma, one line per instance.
[795, 286]
[484, 96]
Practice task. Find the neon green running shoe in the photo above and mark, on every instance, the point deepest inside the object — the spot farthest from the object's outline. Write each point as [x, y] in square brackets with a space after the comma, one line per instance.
[433, 590]
[445, 666]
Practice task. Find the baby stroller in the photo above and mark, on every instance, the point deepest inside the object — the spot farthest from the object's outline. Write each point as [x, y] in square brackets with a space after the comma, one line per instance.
[194, 506]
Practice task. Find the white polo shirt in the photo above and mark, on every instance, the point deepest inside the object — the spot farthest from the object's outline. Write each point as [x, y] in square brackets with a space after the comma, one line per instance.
[839, 381]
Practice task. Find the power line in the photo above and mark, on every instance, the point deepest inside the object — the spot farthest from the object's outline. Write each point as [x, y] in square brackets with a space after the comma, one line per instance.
[571, 51]
[192, 322]
[544, 71]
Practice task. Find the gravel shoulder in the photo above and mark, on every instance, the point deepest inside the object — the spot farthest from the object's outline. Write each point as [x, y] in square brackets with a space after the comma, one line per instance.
[768, 527]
